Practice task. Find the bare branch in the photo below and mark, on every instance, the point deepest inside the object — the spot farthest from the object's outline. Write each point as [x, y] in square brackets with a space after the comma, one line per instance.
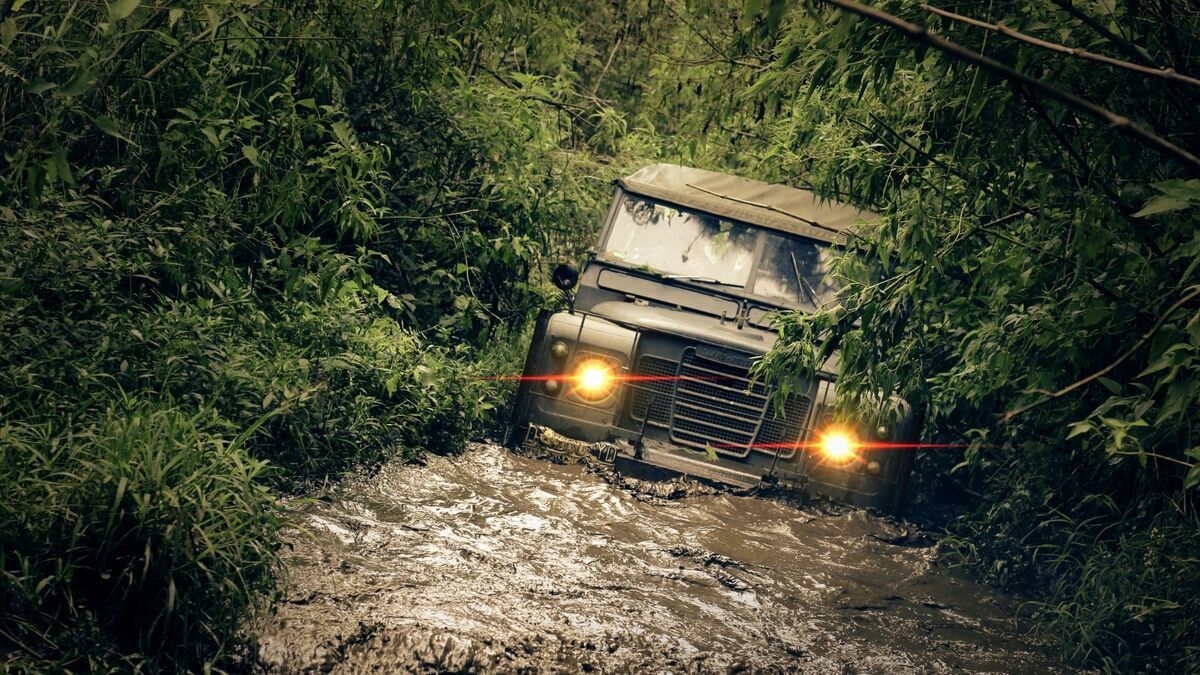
[1134, 52]
[768, 207]
[1123, 124]
[199, 37]
[1165, 73]
[1110, 367]
[988, 187]
[607, 65]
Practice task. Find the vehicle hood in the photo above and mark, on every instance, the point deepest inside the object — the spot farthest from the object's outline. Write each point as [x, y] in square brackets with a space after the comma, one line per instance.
[687, 324]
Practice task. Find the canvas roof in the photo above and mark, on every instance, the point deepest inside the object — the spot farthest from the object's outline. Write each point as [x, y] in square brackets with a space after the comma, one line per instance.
[778, 207]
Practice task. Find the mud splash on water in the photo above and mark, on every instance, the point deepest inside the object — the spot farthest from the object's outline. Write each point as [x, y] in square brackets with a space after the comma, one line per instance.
[495, 562]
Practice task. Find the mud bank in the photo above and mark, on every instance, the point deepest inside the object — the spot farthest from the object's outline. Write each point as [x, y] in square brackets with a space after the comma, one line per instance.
[495, 562]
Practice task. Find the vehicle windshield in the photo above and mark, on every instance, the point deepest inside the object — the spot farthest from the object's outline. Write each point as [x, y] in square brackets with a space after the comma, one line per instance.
[681, 243]
[698, 247]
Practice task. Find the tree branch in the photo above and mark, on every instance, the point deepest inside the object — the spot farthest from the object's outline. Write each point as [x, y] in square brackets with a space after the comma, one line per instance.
[199, 37]
[988, 187]
[1123, 124]
[768, 207]
[607, 65]
[1110, 367]
[1165, 73]
[1134, 52]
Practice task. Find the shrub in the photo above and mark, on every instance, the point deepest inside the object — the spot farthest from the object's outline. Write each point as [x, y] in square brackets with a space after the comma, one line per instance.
[145, 532]
[230, 260]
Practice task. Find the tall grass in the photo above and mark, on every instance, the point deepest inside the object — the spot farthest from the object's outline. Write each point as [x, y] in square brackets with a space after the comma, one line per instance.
[144, 534]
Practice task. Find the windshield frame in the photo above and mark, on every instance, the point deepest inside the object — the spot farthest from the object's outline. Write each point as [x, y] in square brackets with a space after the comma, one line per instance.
[741, 292]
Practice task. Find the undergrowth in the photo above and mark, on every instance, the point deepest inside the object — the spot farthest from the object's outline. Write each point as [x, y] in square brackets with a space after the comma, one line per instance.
[245, 247]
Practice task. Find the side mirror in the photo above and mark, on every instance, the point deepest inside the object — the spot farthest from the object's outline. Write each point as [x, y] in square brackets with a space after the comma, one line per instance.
[564, 277]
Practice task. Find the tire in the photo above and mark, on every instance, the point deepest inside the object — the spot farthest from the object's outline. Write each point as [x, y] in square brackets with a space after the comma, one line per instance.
[518, 421]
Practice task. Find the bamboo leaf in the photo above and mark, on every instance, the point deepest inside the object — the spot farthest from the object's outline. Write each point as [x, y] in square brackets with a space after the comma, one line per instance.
[121, 9]
[108, 126]
[1162, 204]
[251, 154]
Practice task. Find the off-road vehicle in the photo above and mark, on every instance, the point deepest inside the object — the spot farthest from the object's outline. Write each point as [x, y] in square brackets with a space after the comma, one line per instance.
[649, 366]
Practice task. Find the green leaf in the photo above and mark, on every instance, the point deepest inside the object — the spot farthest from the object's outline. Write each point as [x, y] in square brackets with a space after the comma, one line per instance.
[1174, 355]
[121, 9]
[342, 131]
[1079, 428]
[62, 166]
[1193, 477]
[78, 84]
[775, 14]
[1181, 189]
[211, 135]
[39, 86]
[1162, 204]
[173, 16]
[108, 126]
[251, 153]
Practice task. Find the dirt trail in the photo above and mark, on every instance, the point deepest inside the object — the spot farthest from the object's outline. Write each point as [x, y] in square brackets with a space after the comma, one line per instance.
[495, 562]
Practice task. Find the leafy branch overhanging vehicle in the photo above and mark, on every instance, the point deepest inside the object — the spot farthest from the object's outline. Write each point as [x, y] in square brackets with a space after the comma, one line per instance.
[649, 366]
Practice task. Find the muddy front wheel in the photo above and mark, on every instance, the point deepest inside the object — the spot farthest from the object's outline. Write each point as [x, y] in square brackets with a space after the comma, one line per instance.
[518, 421]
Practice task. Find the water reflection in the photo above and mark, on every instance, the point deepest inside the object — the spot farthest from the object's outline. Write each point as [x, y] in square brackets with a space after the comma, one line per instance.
[494, 562]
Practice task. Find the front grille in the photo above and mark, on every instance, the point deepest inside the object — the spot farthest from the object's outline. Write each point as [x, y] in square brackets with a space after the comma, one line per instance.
[652, 393]
[786, 428]
[704, 402]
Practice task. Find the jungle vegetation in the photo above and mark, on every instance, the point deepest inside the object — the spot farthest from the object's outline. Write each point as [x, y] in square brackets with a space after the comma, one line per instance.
[248, 245]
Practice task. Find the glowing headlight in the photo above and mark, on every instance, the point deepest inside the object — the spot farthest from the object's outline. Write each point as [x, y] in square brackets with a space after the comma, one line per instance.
[594, 380]
[838, 446]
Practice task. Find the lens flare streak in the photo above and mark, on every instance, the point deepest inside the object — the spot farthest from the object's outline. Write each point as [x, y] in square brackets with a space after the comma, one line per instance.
[820, 443]
[614, 377]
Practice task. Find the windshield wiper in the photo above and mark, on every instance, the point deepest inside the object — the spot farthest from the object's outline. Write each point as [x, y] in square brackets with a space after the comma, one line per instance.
[702, 279]
[803, 283]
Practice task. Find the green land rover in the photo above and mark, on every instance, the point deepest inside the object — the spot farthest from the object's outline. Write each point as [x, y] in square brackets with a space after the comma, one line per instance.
[649, 367]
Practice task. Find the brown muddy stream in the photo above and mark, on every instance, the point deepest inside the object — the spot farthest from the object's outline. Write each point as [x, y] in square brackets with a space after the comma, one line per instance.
[492, 562]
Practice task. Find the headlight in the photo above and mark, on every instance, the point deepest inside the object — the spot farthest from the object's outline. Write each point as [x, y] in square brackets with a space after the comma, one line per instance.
[594, 380]
[838, 446]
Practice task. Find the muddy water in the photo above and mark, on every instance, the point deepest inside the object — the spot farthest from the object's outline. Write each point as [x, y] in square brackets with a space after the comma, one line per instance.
[495, 562]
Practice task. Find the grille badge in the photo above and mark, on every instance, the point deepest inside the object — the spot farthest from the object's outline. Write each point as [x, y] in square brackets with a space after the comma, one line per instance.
[725, 356]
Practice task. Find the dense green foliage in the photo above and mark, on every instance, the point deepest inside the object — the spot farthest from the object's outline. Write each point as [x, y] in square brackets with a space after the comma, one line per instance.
[256, 242]
[246, 244]
[141, 531]
[1033, 289]
[1031, 257]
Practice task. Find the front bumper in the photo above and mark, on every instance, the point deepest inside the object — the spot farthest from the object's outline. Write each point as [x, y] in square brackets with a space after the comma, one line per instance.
[655, 460]
[652, 461]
